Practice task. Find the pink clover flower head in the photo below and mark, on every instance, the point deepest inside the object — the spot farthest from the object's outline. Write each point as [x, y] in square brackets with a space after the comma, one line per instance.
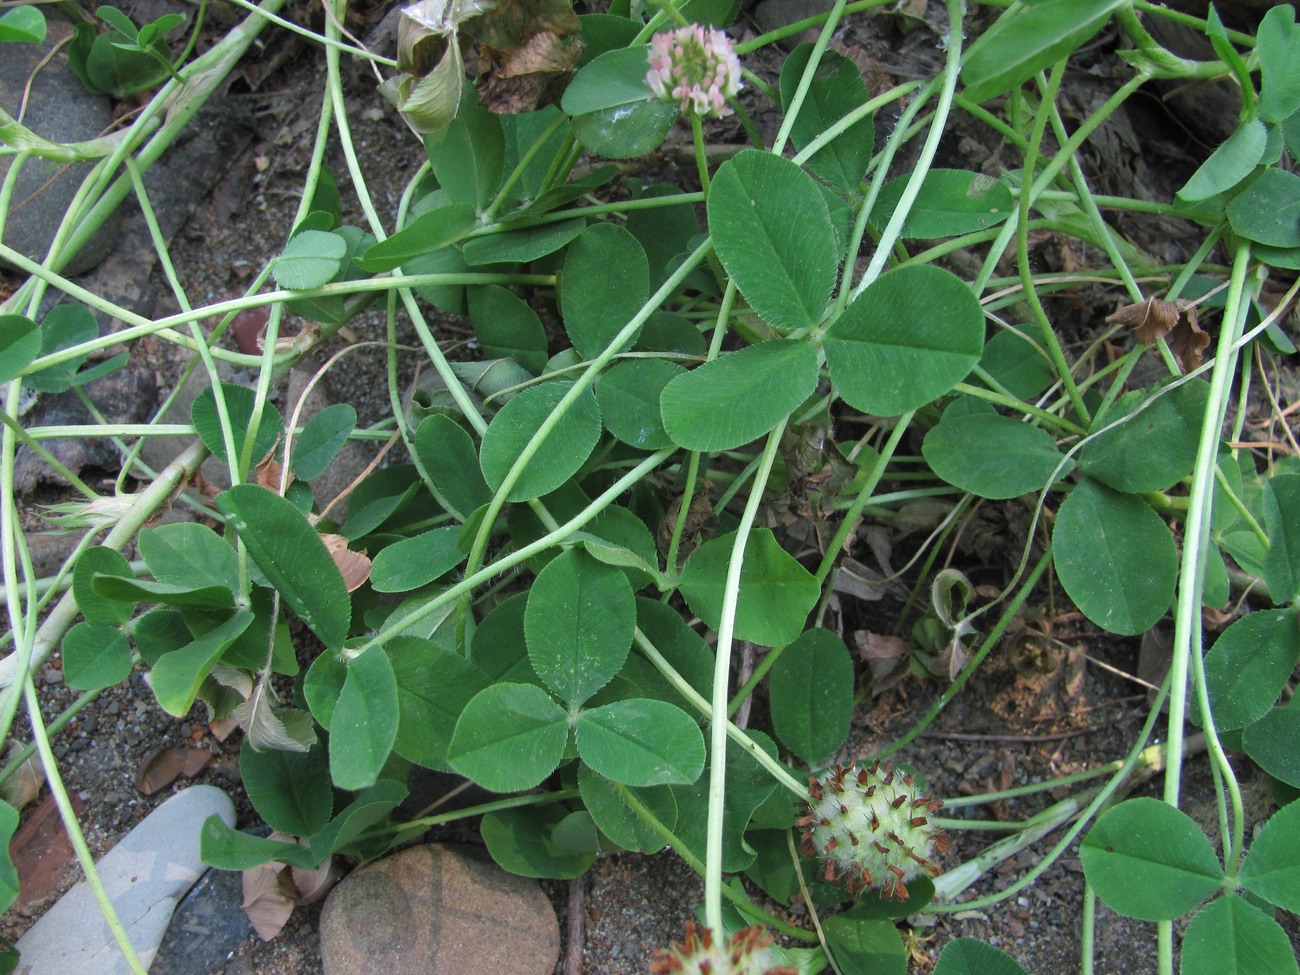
[696, 67]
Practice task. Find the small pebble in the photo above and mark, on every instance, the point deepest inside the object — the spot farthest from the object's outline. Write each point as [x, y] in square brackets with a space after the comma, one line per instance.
[52, 676]
[113, 708]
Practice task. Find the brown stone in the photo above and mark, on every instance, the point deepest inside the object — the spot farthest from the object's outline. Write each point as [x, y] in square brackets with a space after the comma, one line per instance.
[438, 910]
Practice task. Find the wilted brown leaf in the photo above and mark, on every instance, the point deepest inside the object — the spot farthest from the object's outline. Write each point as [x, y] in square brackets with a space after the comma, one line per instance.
[1188, 340]
[355, 566]
[163, 766]
[266, 902]
[25, 784]
[312, 885]
[1150, 320]
[1155, 318]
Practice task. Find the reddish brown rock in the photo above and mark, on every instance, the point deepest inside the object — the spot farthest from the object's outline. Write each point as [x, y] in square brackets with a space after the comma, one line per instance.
[438, 910]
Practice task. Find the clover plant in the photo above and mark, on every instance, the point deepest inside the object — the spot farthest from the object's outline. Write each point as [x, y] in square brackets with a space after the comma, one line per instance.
[546, 587]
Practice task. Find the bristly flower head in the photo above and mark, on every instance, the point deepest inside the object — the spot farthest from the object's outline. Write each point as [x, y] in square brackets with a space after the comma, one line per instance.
[696, 67]
[699, 954]
[870, 827]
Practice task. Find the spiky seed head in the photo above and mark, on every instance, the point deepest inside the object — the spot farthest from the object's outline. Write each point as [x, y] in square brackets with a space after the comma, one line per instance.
[871, 828]
[699, 953]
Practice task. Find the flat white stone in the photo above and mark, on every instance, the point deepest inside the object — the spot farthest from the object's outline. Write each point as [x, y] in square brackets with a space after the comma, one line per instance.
[145, 875]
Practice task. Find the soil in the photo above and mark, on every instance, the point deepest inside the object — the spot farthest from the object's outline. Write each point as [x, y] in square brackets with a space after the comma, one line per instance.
[1008, 727]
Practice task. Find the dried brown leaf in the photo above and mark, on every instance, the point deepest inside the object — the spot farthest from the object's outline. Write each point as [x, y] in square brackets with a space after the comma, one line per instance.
[266, 902]
[163, 766]
[1150, 320]
[269, 473]
[25, 784]
[313, 885]
[355, 566]
[1188, 341]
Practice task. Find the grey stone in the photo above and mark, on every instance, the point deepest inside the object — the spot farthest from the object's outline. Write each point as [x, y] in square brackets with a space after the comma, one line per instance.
[438, 910]
[144, 875]
[208, 927]
[61, 110]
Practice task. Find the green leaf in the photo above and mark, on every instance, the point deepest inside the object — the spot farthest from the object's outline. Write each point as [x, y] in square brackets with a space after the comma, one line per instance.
[1232, 937]
[178, 675]
[22, 24]
[95, 657]
[144, 591]
[990, 455]
[239, 408]
[321, 440]
[101, 610]
[309, 260]
[1278, 48]
[837, 89]
[565, 449]
[618, 821]
[291, 555]
[605, 281]
[1273, 743]
[1150, 861]
[748, 786]
[20, 338]
[507, 327]
[628, 395]
[625, 131]
[433, 686]
[363, 812]
[866, 944]
[523, 245]
[613, 80]
[911, 336]
[739, 396]
[969, 956]
[1029, 39]
[509, 737]
[618, 537]
[65, 327]
[522, 841]
[1229, 164]
[665, 232]
[784, 267]
[641, 742]
[8, 875]
[322, 686]
[1268, 210]
[1155, 445]
[1272, 867]
[188, 554]
[363, 726]
[431, 231]
[681, 646]
[228, 849]
[951, 202]
[468, 155]
[776, 592]
[811, 692]
[1282, 519]
[416, 561]
[1249, 665]
[447, 454]
[1115, 558]
[578, 624]
[290, 790]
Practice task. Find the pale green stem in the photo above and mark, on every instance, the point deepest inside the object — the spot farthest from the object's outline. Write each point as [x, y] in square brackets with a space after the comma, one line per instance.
[61, 617]
[894, 229]
[701, 704]
[721, 680]
[75, 836]
[805, 85]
